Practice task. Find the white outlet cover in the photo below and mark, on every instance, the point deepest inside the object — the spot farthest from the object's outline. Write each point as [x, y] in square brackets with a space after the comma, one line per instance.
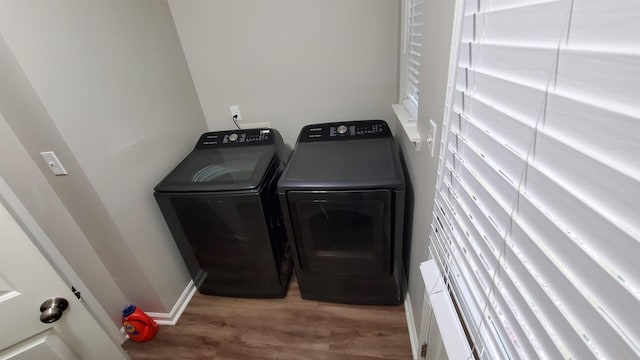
[235, 110]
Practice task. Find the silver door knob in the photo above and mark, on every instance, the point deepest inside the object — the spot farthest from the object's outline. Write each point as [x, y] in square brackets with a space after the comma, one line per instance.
[51, 309]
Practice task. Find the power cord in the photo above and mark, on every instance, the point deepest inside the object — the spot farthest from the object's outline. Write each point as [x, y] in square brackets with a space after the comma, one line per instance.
[235, 121]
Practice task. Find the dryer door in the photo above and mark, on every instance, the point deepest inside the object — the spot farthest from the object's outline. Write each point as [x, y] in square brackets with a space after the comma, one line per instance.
[342, 232]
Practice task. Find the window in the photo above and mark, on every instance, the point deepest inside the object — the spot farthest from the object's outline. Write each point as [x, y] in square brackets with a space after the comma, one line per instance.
[413, 52]
[536, 223]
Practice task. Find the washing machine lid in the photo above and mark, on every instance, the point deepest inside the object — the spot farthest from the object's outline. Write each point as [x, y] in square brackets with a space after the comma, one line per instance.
[370, 163]
[220, 169]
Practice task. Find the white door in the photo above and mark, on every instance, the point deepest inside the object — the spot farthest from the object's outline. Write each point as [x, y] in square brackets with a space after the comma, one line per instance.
[26, 281]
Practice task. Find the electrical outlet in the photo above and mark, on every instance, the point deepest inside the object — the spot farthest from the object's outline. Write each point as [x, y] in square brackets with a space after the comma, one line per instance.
[235, 112]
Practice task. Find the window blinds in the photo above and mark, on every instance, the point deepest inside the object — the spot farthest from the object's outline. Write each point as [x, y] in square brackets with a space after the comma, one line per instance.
[537, 212]
[414, 53]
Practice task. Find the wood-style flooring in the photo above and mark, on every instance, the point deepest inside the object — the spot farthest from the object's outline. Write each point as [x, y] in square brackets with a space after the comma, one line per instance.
[222, 328]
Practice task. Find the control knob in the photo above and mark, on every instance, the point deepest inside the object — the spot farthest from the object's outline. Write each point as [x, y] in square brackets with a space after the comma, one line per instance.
[233, 137]
[342, 129]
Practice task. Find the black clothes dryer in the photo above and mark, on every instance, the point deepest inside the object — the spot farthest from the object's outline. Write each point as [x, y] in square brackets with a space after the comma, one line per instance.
[342, 194]
[221, 206]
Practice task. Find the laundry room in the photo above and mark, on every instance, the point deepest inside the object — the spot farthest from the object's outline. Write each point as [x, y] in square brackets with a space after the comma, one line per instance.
[297, 179]
[120, 92]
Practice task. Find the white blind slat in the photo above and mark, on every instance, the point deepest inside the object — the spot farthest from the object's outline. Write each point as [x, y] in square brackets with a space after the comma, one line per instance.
[609, 80]
[581, 175]
[617, 30]
[512, 98]
[528, 65]
[467, 30]
[537, 24]
[589, 128]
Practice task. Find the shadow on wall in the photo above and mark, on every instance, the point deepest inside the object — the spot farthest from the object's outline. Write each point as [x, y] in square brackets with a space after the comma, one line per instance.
[408, 215]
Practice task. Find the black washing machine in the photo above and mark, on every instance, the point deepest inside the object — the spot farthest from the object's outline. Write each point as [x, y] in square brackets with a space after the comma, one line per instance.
[342, 194]
[221, 206]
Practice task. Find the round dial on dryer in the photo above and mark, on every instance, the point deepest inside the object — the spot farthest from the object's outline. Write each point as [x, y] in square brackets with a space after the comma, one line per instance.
[342, 129]
[233, 137]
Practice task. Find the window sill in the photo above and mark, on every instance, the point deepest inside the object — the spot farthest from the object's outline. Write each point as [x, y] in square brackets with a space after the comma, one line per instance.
[410, 126]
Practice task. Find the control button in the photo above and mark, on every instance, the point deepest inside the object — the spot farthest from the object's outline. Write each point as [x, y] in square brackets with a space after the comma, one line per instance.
[342, 129]
[233, 137]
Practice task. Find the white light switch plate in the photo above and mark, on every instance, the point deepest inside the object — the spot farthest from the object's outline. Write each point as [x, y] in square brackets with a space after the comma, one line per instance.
[53, 163]
[431, 138]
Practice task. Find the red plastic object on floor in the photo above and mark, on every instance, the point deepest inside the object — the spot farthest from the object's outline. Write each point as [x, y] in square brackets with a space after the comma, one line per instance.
[138, 325]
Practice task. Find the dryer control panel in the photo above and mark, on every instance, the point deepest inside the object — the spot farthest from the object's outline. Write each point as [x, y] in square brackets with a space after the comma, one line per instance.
[231, 138]
[348, 130]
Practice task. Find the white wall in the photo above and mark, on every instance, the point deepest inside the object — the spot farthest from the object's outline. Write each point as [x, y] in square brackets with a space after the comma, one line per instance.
[115, 96]
[291, 62]
[31, 186]
[421, 166]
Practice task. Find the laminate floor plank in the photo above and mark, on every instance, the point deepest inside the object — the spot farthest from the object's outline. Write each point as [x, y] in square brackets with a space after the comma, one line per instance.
[292, 328]
[381, 342]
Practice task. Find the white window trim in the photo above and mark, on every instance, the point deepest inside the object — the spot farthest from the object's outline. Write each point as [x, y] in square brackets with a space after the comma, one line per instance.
[406, 110]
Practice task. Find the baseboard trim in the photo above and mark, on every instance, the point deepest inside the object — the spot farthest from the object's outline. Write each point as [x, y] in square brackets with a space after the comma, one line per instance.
[411, 326]
[172, 317]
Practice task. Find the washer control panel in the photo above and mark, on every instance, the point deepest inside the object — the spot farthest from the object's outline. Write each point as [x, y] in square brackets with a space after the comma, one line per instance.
[348, 130]
[236, 138]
